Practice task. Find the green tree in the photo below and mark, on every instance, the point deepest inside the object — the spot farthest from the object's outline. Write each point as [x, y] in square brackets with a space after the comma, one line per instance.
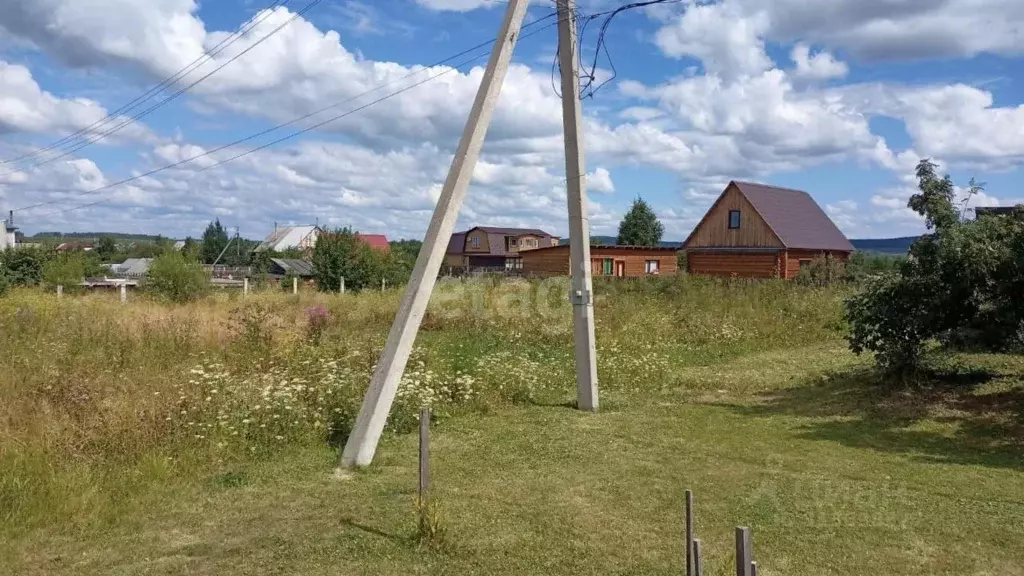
[191, 248]
[640, 226]
[406, 251]
[340, 254]
[25, 265]
[215, 238]
[68, 270]
[960, 284]
[176, 277]
[106, 248]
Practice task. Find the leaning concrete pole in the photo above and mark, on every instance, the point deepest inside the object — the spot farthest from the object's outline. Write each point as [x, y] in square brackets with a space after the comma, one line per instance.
[582, 288]
[362, 442]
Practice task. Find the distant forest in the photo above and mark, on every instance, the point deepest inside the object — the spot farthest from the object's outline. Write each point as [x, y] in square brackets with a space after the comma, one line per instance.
[94, 236]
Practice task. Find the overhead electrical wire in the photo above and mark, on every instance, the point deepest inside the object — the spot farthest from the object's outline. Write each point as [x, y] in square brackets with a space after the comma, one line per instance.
[589, 76]
[176, 94]
[170, 80]
[299, 132]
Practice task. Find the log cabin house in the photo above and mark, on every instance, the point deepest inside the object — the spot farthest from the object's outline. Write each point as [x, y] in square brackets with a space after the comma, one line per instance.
[608, 261]
[760, 231]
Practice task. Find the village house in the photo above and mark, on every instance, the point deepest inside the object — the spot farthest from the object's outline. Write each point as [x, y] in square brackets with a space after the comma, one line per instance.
[304, 238]
[608, 261]
[760, 231]
[488, 247]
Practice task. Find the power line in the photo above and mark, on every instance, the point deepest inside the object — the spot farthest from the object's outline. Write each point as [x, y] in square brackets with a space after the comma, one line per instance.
[288, 136]
[588, 89]
[181, 91]
[300, 118]
[208, 55]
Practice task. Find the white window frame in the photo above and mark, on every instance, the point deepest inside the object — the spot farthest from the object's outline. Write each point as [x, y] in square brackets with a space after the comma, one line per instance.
[475, 241]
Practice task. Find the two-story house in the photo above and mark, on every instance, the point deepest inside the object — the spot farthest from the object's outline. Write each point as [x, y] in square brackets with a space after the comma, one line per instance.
[495, 248]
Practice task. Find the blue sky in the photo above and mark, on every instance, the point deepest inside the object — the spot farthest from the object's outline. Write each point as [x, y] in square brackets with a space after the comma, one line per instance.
[840, 98]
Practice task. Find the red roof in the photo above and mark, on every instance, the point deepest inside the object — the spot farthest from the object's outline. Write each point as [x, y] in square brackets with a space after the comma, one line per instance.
[378, 241]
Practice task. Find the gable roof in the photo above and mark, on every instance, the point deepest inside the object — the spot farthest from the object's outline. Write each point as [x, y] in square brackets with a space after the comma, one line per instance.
[792, 215]
[495, 239]
[294, 266]
[378, 241]
[457, 245]
[511, 231]
[285, 237]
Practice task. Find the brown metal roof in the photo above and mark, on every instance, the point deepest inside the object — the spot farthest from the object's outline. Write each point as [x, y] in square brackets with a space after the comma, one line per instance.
[513, 231]
[495, 239]
[457, 244]
[605, 247]
[795, 217]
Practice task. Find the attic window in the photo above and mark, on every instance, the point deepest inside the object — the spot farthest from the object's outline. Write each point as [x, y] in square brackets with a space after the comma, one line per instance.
[734, 219]
[476, 241]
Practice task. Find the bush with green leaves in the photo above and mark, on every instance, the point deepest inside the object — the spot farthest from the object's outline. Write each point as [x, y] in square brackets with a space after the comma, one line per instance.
[341, 254]
[68, 270]
[24, 265]
[822, 271]
[863, 265]
[177, 277]
[961, 283]
[5, 279]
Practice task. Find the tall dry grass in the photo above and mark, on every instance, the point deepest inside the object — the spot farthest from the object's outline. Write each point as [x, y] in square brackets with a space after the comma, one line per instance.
[101, 403]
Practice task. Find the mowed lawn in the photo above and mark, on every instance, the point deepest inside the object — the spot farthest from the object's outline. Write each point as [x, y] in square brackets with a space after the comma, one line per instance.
[833, 474]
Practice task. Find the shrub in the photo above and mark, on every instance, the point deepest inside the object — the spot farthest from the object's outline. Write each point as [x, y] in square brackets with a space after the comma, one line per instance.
[177, 278]
[5, 279]
[340, 254]
[24, 265]
[68, 270]
[962, 281]
[822, 271]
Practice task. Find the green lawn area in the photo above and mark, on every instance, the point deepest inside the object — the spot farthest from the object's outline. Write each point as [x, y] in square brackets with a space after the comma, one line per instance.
[833, 474]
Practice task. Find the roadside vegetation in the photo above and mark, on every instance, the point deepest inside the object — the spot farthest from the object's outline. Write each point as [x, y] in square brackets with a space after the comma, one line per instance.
[202, 436]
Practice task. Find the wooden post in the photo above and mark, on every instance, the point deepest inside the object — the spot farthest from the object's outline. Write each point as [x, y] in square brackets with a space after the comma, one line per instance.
[373, 414]
[124, 292]
[743, 551]
[295, 284]
[341, 288]
[698, 559]
[689, 533]
[424, 466]
[582, 288]
[60, 290]
[424, 455]
[383, 284]
[753, 569]
[245, 286]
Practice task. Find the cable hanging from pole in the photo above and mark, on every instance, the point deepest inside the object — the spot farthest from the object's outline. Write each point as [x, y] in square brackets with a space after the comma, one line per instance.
[165, 83]
[296, 133]
[588, 74]
[146, 112]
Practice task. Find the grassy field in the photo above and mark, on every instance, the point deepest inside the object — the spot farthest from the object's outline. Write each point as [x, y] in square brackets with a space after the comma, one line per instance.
[202, 439]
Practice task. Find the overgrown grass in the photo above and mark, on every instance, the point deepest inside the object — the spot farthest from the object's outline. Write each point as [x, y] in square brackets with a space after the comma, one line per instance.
[203, 436]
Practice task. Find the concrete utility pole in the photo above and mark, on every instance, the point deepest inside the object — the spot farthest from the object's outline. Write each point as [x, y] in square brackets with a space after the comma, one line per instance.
[582, 288]
[362, 442]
